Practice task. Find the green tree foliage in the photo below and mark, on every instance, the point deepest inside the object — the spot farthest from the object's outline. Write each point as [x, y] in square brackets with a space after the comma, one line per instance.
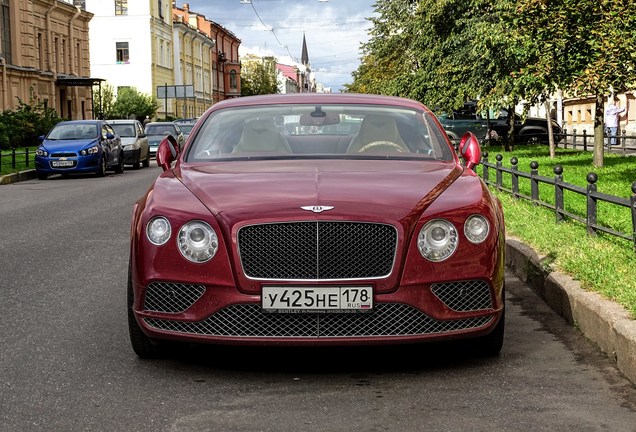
[103, 99]
[259, 78]
[131, 103]
[444, 52]
[22, 127]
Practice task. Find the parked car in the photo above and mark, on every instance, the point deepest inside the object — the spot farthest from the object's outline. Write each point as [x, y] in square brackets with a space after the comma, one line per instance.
[528, 130]
[186, 126]
[157, 131]
[134, 142]
[468, 119]
[79, 147]
[252, 237]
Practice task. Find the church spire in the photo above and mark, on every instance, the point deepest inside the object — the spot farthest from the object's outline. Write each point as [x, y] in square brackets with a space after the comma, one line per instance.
[304, 57]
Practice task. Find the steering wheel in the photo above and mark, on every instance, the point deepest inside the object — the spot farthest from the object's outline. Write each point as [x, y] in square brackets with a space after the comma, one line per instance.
[389, 144]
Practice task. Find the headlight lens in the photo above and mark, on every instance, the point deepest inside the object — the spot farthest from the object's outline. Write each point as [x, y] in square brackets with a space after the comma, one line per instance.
[437, 240]
[197, 241]
[91, 150]
[476, 228]
[158, 230]
[41, 152]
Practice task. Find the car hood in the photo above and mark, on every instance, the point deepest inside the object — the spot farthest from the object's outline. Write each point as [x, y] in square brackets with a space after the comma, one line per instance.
[75, 144]
[389, 190]
[128, 140]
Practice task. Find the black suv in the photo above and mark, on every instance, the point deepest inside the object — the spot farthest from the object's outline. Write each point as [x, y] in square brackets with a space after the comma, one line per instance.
[532, 130]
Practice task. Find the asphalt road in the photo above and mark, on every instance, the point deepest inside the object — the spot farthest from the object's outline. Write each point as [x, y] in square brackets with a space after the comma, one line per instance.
[66, 363]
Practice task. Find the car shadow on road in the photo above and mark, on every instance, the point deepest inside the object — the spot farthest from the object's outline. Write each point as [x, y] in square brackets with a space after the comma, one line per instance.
[350, 359]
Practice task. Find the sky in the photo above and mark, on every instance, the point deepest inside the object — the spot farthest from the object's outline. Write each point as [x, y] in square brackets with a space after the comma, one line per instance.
[333, 29]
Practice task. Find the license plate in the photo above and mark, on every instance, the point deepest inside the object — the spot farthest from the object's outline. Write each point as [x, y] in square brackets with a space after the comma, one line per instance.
[317, 299]
[62, 164]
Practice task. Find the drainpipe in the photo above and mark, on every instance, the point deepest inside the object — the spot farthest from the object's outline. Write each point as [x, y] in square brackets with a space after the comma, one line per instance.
[49, 43]
[71, 48]
[5, 90]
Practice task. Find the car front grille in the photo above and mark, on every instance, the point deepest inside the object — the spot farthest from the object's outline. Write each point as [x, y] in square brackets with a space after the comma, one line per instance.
[387, 319]
[63, 154]
[171, 297]
[471, 295]
[317, 250]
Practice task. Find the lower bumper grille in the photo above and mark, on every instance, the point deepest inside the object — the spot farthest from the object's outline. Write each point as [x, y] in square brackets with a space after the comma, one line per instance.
[463, 296]
[388, 319]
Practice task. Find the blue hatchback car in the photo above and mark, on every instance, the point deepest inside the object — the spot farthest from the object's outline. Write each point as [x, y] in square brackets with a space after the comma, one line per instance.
[79, 147]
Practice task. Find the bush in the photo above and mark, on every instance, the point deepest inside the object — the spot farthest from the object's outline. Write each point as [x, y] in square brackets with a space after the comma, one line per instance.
[22, 127]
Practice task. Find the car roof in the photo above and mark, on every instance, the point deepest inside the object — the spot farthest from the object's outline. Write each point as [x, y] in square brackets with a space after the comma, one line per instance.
[318, 98]
[123, 121]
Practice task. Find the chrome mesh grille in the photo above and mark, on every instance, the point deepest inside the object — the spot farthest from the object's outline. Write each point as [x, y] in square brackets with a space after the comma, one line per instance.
[317, 250]
[171, 297]
[471, 295]
[387, 319]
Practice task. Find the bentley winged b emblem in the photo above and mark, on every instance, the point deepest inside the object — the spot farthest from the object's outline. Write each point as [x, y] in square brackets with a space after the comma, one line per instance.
[317, 208]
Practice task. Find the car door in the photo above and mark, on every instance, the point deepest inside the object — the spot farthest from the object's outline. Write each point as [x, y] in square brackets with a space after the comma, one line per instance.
[143, 140]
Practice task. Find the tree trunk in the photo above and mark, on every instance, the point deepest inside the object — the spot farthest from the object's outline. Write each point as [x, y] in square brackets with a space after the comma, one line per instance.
[548, 117]
[599, 130]
[510, 136]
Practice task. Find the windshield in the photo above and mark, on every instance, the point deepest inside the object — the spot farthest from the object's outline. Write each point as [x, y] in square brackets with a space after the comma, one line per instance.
[335, 131]
[161, 129]
[124, 130]
[73, 131]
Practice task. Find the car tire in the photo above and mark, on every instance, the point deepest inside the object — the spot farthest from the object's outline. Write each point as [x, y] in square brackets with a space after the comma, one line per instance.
[41, 176]
[119, 168]
[137, 163]
[147, 159]
[101, 170]
[142, 345]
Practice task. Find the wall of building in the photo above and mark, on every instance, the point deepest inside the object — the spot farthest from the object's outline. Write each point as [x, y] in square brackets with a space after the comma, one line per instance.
[48, 42]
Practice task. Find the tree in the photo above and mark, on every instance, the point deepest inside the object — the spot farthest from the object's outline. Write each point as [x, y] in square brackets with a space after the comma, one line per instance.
[258, 76]
[104, 98]
[130, 102]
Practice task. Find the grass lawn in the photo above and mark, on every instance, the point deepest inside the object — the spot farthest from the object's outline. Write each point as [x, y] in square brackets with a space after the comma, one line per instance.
[603, 263]
[6, 160]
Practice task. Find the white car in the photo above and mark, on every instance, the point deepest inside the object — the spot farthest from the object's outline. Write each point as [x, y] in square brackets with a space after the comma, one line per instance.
[134, 141]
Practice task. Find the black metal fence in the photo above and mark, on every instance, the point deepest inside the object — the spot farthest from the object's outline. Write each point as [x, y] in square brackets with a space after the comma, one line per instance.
[582, 140]
[588, 217]
[15, 158]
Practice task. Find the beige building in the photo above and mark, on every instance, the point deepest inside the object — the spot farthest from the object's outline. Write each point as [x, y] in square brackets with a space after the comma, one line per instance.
[44, 56]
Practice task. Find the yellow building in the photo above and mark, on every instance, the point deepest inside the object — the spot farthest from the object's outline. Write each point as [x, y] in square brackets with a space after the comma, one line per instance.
[44, 56]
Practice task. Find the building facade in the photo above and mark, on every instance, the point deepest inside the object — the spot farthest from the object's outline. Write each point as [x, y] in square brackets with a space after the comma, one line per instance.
[132, 46]
[224, 57]
[44, 56]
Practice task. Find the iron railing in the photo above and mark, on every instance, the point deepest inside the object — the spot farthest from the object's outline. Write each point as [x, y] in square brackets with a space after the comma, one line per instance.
[593, 197]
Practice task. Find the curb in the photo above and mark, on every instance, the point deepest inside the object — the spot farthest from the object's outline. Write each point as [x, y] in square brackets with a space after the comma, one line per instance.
[17, 177]
[602, 321]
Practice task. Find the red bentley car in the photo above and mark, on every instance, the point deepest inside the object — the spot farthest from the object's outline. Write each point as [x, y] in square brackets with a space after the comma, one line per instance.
[317, 219]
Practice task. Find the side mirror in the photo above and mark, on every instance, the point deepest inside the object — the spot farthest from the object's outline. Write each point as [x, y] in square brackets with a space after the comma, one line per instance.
[167, 152]
[41, 138]
[469, 150]
[110, 136]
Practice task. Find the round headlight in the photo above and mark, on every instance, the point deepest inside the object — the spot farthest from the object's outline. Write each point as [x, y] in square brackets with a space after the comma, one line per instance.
[197, 241]
[158, 230]
[476, 228]
[437, 240]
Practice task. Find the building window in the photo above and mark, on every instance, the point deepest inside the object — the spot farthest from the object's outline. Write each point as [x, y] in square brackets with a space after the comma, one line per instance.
[40, 51]
[160, 6]
[121, 7]
[5, 31]
[123, 55]
[233, 80]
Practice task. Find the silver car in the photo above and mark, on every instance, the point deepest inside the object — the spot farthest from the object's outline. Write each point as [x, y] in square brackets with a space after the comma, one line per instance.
[134, 140]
